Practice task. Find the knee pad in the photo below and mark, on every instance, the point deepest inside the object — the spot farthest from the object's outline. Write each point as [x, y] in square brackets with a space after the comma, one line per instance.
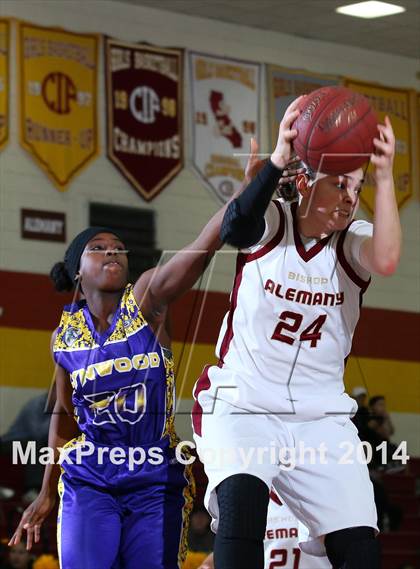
[353, 548]
[243, 502]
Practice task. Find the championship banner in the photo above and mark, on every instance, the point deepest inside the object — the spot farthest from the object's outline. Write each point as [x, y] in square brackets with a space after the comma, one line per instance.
[4, 81]
[144, 109]
[285, 85]
[225, 114]
[58, 99]
[396, 104]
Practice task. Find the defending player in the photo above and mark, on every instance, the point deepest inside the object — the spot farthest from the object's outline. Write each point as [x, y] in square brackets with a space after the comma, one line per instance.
[295, 304]
[114, 375]
[115, 393]
[281, 541]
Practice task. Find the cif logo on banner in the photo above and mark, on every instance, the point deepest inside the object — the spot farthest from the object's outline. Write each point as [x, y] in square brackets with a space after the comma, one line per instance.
[58, 90]
[58, 75]
[145, 105]
[144, 114]
[148, 107]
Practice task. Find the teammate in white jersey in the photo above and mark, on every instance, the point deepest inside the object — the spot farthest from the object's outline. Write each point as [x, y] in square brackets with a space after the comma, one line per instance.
[281, 541]
[278, 389]
[282, 537]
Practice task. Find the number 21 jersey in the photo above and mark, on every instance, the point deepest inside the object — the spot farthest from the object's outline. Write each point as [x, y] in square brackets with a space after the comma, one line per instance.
[281, 542]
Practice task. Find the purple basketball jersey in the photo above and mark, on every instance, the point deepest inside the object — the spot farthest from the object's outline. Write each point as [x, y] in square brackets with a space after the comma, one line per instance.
[122, 379]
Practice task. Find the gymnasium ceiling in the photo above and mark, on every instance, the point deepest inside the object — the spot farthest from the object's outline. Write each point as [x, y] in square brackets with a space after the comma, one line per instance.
[314, 19]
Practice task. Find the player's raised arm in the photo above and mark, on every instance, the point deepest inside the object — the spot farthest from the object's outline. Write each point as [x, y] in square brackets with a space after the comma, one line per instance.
[243, 224]
[158, 287]
[63, 428]
[380, 253]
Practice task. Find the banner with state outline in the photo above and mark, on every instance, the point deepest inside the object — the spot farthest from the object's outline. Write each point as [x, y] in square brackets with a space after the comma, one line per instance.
[4, 81]
[395, 103]
[58, 99]
[225, 97]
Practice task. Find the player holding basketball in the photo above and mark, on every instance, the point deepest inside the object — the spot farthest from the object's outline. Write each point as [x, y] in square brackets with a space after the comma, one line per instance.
[294, 306]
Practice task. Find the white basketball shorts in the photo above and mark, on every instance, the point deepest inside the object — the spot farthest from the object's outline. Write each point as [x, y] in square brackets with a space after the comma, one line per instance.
[318, 467]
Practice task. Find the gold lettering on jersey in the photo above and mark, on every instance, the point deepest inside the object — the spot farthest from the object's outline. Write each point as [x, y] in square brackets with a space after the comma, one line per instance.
[123, 364]
[90, 373]
[120, 365]
[305, 279]
[281, 533]
[304, 296]
[141, 361]
[154, 359]
[104, 368]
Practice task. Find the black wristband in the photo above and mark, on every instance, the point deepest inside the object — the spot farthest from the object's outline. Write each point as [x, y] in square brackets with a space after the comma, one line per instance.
[243, 223]
[257, 195]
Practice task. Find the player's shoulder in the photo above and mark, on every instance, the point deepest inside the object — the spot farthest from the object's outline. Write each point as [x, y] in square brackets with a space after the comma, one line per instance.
[349, 244]
[357, 230]
[360, 227]
[128, 297]
[131, 318]
[275, 215]
[53, 339]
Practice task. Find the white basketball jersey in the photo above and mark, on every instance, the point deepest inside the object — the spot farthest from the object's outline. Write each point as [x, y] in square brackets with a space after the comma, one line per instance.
[282, 535]
[283, 344]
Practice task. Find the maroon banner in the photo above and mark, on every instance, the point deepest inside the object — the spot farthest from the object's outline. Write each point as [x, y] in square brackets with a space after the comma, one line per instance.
[144, 110]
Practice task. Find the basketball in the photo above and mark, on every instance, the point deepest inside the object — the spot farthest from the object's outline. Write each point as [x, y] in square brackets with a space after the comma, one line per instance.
[336, 128]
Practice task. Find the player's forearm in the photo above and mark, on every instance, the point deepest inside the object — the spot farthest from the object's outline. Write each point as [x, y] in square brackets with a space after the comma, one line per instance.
[382, 253]
[62, 429]
[386, 239]
[243, 224]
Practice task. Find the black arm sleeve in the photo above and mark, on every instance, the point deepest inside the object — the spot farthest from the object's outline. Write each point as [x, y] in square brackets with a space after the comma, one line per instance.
[243, 223]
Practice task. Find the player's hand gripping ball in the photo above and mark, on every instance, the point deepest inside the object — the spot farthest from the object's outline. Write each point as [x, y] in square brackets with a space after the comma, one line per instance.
[336, 128]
